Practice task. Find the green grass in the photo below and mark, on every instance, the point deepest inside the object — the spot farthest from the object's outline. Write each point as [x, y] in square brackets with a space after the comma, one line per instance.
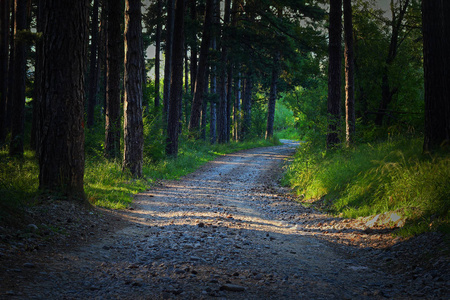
[105, 183]
[376, 178]
[18, 183]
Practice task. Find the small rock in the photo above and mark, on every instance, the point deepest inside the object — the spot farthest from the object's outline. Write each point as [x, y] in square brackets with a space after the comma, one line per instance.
[32, 227]
[29, 265]
[232, 287]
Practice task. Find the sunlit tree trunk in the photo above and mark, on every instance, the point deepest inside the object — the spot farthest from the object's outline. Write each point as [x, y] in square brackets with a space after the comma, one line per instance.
[334, 73]
[349, 74]
[133, 80]
[61, 155]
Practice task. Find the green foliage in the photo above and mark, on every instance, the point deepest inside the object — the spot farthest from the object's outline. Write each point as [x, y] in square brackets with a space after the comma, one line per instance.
[18, 183]
[375, 178]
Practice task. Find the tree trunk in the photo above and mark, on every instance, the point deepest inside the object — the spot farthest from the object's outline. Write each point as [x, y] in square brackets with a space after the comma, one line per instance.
[20, 70]
[193, 47]
[201, 81]
[334, 73]
[158, 55]
[247, 106]
[4, 55]
[349, 74]
[222, 132]
[204, 106]
[176, 88]
[11, 69]
[112, 138]
[436, 46]
[168, 61]
[35, 126]
[61, 155]
[133, 80]
[93, 70]
[272, 97]
[237, 108]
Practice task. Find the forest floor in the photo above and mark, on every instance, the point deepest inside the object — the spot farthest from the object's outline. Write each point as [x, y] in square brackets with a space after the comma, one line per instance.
[227, 231]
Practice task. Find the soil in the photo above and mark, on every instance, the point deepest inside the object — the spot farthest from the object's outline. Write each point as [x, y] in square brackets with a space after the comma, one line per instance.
[227, 231]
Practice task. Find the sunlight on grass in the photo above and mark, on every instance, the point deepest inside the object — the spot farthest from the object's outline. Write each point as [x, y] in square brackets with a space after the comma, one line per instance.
[373, 179]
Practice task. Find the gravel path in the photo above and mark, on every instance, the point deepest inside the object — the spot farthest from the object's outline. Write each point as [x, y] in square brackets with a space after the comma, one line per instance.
[227, 231]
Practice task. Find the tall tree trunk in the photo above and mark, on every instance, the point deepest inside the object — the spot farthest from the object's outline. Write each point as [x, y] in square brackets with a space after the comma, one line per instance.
[237, 108]
[112, 134]
[4, 55]
[222, 132]
[272, 96]
[247, 105]
[11, 69]
[334, 73]
[61, 155]
[176, 88]
[133, 125]
[204, 106]
[158, 55]
[229, 98]
[93, 72]
[35, 126]
[168, 61]
[212, 100]
[436, 46]
[201, 81]
[194, 51]
[350, 119]
[20, 69]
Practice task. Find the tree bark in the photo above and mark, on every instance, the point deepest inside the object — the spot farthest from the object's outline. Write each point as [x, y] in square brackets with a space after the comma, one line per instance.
[237, 108]
[334, 73]
[201, 81]
[194, 51]
[436, 46]
[61, 155]
[247, 106]
[350, 119]
[158, 55]
[11, 69]
[35, 126]
[93, 70]
[113, 61]
[4, 55]
[176, 88]
[168, 61]
[20, 69]
[133, 125]
[272, 97]
[222, 128]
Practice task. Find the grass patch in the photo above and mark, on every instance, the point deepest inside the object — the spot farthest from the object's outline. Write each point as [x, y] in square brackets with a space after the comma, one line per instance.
[18, 183]
[106, 185]
[376, 178]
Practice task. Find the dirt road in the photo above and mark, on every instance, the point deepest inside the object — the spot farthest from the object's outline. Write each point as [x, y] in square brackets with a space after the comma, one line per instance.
[227, 231]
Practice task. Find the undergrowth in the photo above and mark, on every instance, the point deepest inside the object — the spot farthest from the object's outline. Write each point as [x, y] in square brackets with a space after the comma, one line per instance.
[376, 178]
[106, 185]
